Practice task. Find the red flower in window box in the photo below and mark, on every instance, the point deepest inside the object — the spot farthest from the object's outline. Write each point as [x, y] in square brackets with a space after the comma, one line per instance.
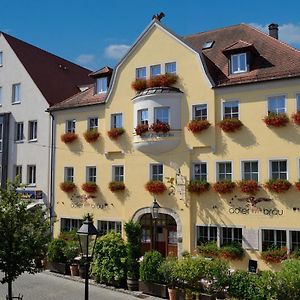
[296, 117]
[91, 135]
[68, 137]
[139, 85]
[196, 126]
[114, 133]
[297, 185]
[116, 186]
[274, 255]
[230, 125]
[276, 120]
[141, 128]
[198, 186]
[249, 186]
[278, 185]
[165, 80]
[224, 186]
[67, 187]
[155, 187]
[160, 127]
[90, 187]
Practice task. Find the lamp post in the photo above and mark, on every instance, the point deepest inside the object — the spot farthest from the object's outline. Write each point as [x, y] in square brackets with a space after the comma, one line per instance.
[85, 234]
[155, 214]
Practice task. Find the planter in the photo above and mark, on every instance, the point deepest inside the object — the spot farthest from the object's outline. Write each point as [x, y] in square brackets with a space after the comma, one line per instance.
[114, 133]
[68, 137]
[154, 289]
[209, 249]
[74, 269]
[232, 252]
[197, 126]
[160, 127]
[116, 186]
[198, 186]
[132, 284]
[278, 185]
[172, 294]
[296, 117]
[90, 187]
[91, 136]
[224, 186]
[67, 187]
[250, 187]
[274, 255]
[204, 296]
[57, 267]
[230, 125]
[155, 187]
[276, 120]
[139, 85]
[297, 185]
[141, 129]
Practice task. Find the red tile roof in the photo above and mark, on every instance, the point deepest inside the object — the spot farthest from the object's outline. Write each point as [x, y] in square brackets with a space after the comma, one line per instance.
[56, 77]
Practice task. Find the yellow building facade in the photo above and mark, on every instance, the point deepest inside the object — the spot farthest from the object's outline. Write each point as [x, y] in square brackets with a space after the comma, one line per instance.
[255, 151]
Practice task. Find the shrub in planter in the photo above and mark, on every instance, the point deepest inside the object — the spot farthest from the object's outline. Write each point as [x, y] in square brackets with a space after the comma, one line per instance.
[278, 185]
[198, 186]
[297, 185]
[139, 85]
[67, 187]
[276, 120]
[155, 187]
[141, 129]
[68, 137]
[91, 135]
[71, 250]
[197, 126]
[167, 271]
[274, 255]
[116, 186]
[232, 251]
[149, 267]
[114, 133]
[230, 125]
[224, 186]
[56, 251]
[160, 127]
[209, 249]
[164, 80]
[249, 186]
[296, 117]
[89, 187]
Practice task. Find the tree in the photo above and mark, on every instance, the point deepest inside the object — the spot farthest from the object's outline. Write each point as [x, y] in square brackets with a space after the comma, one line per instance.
[24, 235]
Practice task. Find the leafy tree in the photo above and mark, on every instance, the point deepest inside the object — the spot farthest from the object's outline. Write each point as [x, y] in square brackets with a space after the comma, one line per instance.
[23, 235]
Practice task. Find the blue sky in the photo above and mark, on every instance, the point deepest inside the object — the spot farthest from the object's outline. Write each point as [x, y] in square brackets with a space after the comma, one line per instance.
[95, 33]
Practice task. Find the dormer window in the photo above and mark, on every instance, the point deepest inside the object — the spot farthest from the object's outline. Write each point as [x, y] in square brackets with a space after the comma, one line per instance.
[1, 58]
[101, 85]
[238, 63]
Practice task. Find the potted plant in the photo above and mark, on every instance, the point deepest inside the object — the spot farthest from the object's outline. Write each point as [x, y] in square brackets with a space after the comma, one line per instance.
[133, 233]
[224, 186]
[89, 187]
[232, 251]
[167, 270]
[276, 120]
[91, 135]
[297, 185]
[209, 249]
[278, 185]
[115, 133]
[160, 127]
[71, 251]
[197, 126]
[155, 187]
[67, 186]
[140, 129]
[230, 125]
[274, 254]
[68, 137]
[116, 186]
[249, 186]
[164, 80]
[57, 261]
[198, 186]
[296, 117]
[139, 85]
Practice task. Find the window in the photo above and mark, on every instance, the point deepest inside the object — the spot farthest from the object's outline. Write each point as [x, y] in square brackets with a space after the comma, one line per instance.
[154, 71]
[278, 169]
[273, 238]
[206, 234]
[92, 123]
[32, 127]
[91, 174]
[69, 174]
[298, 103]
[31, 175]
[224, 171]
[70, 126]
[161, 114]
[1, 137]
[140, 73]
[170, 68]
[231, 235]
[157, 172]
[118, 173]
[1, 58]
[200, 171]
[101, 85]
[18, 172]
[70, 224]
[1, 96]
[238, 63]
[250, 170]
[231, 110]
[200, 112]
[276, 104]
[143, 116]
[295, 240]
[106, 226]
[16, 93]
[116, 121]
[19, 135]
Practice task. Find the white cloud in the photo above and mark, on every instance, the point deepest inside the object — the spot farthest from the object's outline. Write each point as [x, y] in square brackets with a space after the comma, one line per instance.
[116, 51]
[84, 59]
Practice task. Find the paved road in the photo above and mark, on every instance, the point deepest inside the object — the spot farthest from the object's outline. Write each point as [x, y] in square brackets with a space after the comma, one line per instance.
[44, 286]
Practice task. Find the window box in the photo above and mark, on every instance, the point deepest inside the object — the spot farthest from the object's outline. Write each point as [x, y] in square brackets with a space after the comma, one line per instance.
[68, 137]
[196, 126]
[274, 255]
[116, 186]
[160, 127]
[232, 251]
[249, 186]
[297, 185]
[114, 133]
[224, 186]
[67, 187]
[91, 135]
[155, 187]
[198, 186]
[209, 249]
[139, 85]
[230, 125]
[90, 187]
[296, 117]
[141, 128]
[278, 185]
[276, 119]
[165, 80]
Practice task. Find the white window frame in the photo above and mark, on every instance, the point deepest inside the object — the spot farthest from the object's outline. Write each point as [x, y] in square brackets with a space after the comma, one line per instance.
[118, 177]
[297, 102]
[117, 224]
[250, 161]
[139, 116]
[68, 177]
[276, 97]
[217, 169]
[158, 108]
[194, 106]
[232, 227]
[18, 170]
[32, 130]
[152, 68]
[278, 160]
[1, 58]
[193, 169]
[137, 70]
[72, 224]
[70, 126]
[223, 108]
[239, 70]
[93, 126]
[91, 177]
[208, 236]
[170, 64]
[16, 93]
[31, 174]
[159, 176]
[113, 123]
[18, 126]
[101, 85]
[275, 236]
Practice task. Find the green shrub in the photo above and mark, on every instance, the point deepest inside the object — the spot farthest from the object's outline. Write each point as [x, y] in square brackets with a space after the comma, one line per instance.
[68, 236]
[168, 272]
[232, 251]
[266, 286]
[295, 254]
[209, 249]
[149, 267]
[71, 250]
[56, 251]
[109, 263]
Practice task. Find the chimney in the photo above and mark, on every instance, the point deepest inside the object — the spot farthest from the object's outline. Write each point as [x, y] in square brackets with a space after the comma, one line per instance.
[273, 31]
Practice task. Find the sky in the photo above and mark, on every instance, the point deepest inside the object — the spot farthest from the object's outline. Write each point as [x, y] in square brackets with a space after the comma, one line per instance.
[95, 33]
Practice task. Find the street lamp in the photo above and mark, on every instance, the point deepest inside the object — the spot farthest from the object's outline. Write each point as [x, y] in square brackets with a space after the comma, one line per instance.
[85, 234]
[155, 214]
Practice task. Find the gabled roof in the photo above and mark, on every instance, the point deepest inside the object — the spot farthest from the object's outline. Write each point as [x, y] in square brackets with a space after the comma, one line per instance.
[56, 78]
[237, 45]
[102, 72]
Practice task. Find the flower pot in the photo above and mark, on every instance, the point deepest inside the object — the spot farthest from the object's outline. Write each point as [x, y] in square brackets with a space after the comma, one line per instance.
[172, 294]
[68, 137]
[276, 120]
[132, 284]
[154, 289]
[155, 187]
[58, 267]
[74, 269]
[230, 125]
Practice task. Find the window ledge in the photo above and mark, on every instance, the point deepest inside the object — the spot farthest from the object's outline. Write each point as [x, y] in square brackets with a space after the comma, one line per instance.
[31, 185]
[32, 141]
[18, 102]
[19, 142]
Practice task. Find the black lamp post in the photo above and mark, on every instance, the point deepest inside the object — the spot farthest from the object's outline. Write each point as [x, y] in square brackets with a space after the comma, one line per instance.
[155, 214]
[85, 234]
